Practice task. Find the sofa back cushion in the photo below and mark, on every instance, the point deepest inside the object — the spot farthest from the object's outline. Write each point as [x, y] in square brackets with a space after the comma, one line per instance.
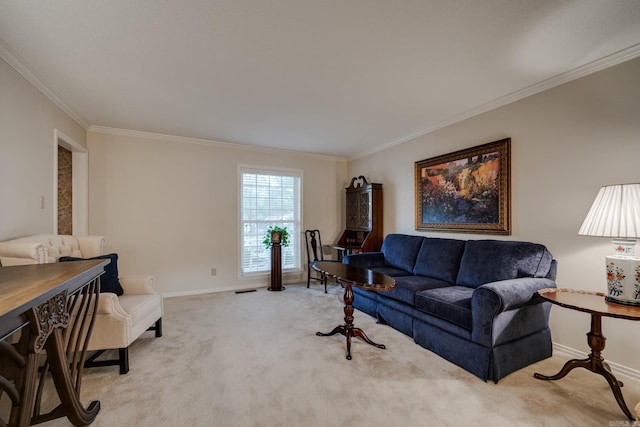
[440, 259]
[485, 261]
[59, 245]
[400, 250]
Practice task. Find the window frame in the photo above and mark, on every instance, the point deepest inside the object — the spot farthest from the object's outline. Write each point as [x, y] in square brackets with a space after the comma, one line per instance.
[294, 235]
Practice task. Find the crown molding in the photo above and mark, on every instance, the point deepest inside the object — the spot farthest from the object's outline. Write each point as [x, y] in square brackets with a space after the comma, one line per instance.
[211, 143]
[18, 64]
[582, 71]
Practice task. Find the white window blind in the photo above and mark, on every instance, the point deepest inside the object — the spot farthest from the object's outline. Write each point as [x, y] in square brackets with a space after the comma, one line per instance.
[268, 197]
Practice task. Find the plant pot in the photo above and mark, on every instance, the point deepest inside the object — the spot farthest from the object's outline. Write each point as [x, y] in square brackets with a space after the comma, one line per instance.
[276, 237]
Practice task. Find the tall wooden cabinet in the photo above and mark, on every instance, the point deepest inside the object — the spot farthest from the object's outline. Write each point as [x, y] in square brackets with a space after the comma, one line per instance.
[363, 217]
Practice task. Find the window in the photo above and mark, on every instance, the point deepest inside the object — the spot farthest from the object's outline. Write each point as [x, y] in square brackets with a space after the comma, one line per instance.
[268, 197]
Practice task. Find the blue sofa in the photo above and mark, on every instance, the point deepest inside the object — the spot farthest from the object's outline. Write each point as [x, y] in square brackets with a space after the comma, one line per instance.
[472, 302]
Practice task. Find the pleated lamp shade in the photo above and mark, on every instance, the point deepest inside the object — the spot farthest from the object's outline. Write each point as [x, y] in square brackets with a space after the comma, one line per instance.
[616, 213]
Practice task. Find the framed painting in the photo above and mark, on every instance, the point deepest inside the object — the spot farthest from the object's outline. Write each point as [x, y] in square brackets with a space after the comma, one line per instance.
[467, 191]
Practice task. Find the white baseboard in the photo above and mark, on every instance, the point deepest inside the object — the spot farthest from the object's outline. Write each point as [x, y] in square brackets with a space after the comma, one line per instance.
[212, 291]
[617, 368]
[257, 282]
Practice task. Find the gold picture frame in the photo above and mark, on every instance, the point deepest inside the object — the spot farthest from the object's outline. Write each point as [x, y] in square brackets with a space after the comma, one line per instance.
[467, 191]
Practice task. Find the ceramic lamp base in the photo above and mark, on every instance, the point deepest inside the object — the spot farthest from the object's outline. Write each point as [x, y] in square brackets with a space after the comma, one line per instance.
[623, 280]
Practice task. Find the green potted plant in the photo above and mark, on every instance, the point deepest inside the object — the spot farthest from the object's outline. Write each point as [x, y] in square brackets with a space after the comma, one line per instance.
[276, 234]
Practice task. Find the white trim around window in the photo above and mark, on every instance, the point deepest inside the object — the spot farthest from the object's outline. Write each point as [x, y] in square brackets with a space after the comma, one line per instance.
[268, 196]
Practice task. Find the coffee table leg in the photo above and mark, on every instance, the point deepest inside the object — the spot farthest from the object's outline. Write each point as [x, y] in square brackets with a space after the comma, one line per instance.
[348, 330]
[594, 363]
[357, 332]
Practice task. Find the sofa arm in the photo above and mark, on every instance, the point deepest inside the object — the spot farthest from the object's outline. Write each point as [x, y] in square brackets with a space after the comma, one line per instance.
[138, 285]
[90, 246]
[109, 304]
[508, 294]
[365, 259]
[508, 308]
[18, 253]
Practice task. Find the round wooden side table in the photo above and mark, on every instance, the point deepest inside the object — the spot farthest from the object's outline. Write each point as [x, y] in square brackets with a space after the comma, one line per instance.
[595, 304]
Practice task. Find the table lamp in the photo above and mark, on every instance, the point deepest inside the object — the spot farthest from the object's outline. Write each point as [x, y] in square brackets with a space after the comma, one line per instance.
[616, 213]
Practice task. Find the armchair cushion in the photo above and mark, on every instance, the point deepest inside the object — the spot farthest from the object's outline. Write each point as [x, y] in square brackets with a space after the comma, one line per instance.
[109, 281]
[140, 307]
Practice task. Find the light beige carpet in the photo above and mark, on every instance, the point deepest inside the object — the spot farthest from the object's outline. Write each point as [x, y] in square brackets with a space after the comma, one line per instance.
[253, 359]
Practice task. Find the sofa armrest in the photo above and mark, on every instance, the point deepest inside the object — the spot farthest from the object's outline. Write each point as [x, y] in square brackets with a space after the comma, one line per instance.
[365, 259]
[108, 304]
[138, 285]
[17, 253]
[514, 302]
[91, 246]
[508, 294]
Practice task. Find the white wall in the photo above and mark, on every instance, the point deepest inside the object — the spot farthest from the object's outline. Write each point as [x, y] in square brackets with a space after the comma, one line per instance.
[27, 123]
[170, 207]
[566, 143]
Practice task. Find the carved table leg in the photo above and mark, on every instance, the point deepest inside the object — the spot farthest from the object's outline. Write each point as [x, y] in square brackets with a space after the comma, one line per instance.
[594, 363]
[43, 319]
[25, 385]
[347, 329]
[50, 327]
[71, 405]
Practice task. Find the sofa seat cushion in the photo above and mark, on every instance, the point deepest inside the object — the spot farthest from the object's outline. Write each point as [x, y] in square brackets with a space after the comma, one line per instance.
[486, 261]
[140, 307]
[407, 286]
[452, 304]
[400, 251]
[440, 259]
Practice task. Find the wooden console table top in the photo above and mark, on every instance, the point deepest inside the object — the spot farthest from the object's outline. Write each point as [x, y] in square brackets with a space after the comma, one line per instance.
[26, 286]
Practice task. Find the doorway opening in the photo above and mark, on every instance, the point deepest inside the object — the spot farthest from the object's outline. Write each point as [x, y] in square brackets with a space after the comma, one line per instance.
[71, 185]
[65, 191]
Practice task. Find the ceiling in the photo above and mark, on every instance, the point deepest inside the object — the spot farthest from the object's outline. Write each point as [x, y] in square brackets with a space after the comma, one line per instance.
[335, 77]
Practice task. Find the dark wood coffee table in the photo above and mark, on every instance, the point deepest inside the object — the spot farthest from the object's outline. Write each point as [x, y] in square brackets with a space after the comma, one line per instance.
[595, 304]
[350, 275]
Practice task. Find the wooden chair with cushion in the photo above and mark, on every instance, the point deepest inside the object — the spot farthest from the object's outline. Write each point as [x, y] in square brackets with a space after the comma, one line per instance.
[127, 307]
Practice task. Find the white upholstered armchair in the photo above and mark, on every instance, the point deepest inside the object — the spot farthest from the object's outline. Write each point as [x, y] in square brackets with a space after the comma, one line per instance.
[120, 319]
